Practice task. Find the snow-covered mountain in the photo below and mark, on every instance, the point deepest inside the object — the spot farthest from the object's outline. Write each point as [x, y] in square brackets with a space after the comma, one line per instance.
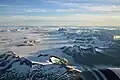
[91, 55]
[13, 67]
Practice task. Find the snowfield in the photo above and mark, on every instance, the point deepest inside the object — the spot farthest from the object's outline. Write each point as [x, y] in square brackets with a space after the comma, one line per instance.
[82, 49]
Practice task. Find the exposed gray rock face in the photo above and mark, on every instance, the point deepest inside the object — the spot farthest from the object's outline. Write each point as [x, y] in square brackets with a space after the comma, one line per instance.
[92, 56]
[62, 29]
[26, 43]
[58, 70]
[77, 50]
[13, 67]
[53, 72]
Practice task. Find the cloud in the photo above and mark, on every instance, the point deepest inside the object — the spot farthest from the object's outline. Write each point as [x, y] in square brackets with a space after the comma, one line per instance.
[75, 19]
[65, 6]
[82, 9]
[99, 5]
[90, 5]
[68, 10]
[36, 10]
[1, 5]
[83, 1]
[103, 8]
[93, 9]
[41, 10]
[61, 3]
[88, 8]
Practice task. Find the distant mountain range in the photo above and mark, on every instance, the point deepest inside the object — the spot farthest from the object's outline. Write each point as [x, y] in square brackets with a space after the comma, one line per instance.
[92, 56]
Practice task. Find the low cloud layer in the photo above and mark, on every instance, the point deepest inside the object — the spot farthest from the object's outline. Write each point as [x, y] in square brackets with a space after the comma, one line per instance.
[60, 12]
[76, 19]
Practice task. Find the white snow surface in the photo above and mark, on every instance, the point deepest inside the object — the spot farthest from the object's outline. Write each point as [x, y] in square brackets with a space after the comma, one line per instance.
[48, 42]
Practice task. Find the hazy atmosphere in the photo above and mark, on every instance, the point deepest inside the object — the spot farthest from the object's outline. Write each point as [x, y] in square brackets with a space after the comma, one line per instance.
[59, 39]
[60, 12]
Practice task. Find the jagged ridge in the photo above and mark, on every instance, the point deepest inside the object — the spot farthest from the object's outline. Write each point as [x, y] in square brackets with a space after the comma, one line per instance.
[13, 67]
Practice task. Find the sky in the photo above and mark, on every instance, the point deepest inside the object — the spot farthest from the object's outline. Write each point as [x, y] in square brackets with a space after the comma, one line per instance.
[59, 12]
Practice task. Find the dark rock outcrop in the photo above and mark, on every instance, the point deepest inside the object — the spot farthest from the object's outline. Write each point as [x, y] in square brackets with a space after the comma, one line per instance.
[13, 67]
[92, 56]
